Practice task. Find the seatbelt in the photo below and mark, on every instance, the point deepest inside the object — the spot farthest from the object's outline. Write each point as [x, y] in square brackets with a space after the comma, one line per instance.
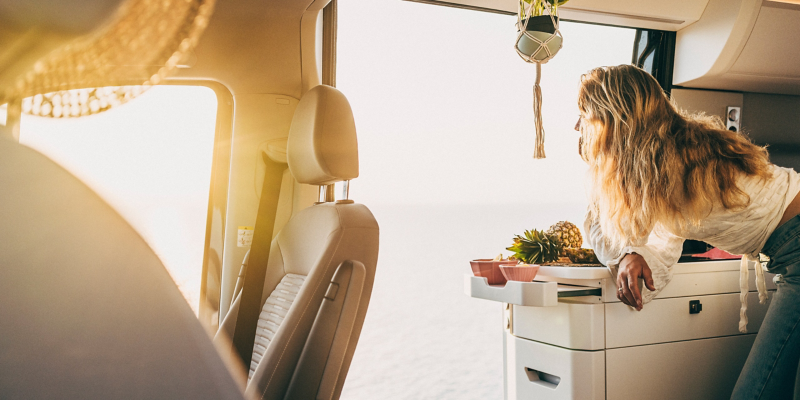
[244, 333]
[240, 278]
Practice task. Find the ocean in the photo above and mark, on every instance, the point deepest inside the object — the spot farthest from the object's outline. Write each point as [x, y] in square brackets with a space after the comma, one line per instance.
[423, 338]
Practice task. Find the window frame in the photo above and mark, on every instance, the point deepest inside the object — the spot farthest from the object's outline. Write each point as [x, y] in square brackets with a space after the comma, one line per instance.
[218, 190]
[660, 45]
[217, 199]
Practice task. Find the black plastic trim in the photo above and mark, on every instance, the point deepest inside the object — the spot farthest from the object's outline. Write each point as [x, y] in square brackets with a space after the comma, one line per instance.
[659, 49]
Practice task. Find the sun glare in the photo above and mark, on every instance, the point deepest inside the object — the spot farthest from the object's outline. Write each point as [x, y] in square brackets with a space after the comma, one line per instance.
[151, 160]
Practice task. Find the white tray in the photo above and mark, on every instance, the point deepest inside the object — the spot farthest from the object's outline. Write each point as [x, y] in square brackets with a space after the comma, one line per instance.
[535, 294]
[591, 273]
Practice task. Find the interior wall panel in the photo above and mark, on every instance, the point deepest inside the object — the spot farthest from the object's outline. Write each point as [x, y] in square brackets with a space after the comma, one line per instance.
[769, 119]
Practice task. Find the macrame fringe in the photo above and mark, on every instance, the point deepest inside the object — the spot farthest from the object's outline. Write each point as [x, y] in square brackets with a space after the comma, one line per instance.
[744, 277]
[538, 147]
[744, 287]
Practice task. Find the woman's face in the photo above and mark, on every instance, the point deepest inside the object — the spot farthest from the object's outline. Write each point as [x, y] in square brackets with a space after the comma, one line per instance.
[580, 139]
[587, 127]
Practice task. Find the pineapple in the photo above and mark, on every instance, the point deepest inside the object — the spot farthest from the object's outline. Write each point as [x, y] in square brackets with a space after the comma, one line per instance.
[536, 247]
[568, 234]
[582, 256]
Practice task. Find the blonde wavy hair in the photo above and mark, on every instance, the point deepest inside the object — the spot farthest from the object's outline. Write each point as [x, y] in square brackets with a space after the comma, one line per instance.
[651, 162]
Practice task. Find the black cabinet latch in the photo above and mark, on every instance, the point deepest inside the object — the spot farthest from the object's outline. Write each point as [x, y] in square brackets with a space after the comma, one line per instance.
[695, 307]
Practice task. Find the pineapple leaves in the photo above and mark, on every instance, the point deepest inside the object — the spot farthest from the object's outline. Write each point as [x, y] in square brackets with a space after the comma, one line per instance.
[535, 247]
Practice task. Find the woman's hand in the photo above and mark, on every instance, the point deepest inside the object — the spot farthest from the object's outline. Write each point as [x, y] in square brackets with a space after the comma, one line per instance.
[631, 268]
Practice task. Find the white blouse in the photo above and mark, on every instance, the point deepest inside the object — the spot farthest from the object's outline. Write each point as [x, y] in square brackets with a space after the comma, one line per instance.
[736, 231]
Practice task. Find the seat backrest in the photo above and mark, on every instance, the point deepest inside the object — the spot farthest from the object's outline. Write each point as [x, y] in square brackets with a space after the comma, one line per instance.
[88, 310]
[321, 265]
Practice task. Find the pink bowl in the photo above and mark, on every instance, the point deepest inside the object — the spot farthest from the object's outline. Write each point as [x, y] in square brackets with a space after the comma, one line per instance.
[489, 269]
[519, 272]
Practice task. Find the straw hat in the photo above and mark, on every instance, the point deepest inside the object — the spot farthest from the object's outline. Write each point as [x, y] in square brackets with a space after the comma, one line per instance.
[143, 43]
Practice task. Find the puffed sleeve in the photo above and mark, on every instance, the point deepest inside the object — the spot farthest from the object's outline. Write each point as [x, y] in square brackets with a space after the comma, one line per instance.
[660, 250]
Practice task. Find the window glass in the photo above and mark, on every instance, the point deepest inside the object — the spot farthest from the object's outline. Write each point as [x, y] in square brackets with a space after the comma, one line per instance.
[150, 159]
[443, 108]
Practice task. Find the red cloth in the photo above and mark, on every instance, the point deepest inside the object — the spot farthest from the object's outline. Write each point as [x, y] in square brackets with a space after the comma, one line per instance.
[717, 254]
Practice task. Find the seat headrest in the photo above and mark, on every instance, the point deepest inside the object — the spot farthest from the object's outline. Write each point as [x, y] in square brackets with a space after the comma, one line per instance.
[322, 146]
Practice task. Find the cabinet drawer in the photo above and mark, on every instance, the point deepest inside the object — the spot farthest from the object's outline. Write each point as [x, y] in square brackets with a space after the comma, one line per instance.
[571, 325]
[696, 283]
[698, 369]
[538, 371]
[669, 320]
[703, 283]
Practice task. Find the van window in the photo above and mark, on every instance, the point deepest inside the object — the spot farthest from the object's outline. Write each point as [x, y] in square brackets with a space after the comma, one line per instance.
[150, 159]
[443, 108]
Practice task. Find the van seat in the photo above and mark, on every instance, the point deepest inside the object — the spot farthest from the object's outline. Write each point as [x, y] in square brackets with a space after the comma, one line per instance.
[321, 266]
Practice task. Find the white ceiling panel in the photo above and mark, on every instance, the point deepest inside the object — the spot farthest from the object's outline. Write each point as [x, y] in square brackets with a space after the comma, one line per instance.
[652, 14]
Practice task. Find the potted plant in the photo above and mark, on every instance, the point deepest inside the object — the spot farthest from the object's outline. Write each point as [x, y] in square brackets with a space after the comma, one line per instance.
[539, 39]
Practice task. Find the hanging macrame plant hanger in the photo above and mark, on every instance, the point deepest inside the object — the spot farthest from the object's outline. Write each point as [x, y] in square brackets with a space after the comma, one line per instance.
[538, 41]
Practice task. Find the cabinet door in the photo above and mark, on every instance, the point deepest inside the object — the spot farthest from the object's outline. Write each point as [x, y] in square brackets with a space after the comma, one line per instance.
[697, 369]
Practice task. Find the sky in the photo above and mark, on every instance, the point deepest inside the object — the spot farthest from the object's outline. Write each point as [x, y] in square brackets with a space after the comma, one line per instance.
[443, 104]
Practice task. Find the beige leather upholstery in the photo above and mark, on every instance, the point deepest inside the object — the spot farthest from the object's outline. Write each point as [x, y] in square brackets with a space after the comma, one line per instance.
[87, 310]
[322, 147]
[331, 250]
[273, 312]
[313, 244]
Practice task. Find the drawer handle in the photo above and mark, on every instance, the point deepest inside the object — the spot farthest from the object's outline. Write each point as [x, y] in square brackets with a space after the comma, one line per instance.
[695, 307]
[542, 378]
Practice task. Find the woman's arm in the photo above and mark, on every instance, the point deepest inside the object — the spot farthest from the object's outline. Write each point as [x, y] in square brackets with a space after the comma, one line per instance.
[651, 261]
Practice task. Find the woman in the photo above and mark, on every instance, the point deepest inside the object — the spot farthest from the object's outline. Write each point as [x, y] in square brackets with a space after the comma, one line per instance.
[661, 176]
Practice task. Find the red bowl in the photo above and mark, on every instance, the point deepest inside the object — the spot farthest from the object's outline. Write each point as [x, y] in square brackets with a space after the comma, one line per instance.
[489, 269]
[519, 272]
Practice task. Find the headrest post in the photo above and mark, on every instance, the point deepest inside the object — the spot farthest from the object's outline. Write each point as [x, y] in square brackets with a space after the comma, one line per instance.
[346, 190]
[330, 193]
[326, 194]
